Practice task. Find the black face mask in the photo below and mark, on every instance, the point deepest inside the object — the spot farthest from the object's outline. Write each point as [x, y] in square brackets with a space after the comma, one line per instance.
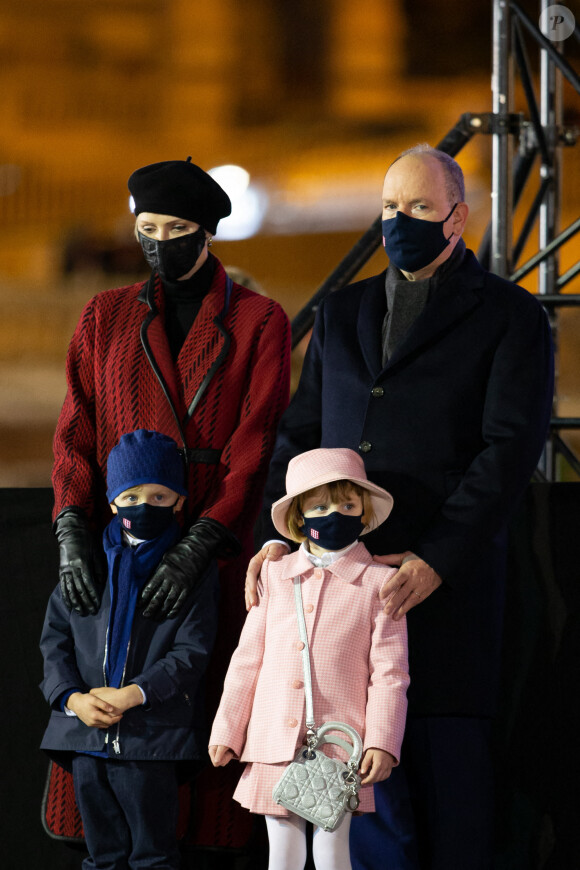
[173, 258]
[412, 243]
[334, 531]
[146, 521]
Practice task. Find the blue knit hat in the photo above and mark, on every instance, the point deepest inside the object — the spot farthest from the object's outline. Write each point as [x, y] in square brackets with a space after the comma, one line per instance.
[141, 457]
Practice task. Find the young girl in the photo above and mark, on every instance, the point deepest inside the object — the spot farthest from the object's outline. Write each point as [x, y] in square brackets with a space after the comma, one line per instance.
[358, 654]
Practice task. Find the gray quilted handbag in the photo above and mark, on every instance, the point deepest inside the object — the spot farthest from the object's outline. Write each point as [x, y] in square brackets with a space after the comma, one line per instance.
[314, 786]
[319, 788]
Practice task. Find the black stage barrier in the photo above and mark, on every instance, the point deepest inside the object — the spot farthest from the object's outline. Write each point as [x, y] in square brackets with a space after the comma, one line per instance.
[538, 750]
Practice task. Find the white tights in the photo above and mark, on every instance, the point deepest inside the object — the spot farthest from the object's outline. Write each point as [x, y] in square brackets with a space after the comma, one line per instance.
[287, 839]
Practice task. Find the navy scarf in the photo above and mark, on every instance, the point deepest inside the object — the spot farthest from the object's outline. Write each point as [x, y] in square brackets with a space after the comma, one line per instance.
[129, 569]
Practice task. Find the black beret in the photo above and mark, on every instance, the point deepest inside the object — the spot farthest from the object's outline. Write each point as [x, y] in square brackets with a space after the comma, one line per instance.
[180, 188]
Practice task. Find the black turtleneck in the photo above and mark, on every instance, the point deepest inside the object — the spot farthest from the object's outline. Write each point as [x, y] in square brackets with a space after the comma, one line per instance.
[182, 302]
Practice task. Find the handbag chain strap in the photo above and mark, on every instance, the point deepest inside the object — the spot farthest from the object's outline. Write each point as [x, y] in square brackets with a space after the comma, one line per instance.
[351, 786]
[310, 726]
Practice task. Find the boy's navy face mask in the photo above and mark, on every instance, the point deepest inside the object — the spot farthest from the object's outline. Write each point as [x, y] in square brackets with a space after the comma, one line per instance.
[334, 531]
[146, 521]
[412, 243]
[173, 258]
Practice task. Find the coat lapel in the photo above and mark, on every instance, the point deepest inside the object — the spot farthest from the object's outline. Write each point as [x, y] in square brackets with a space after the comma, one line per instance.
[180, 381]
[372, 310]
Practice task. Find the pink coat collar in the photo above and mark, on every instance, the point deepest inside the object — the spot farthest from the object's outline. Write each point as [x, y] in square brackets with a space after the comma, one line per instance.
[348, 568]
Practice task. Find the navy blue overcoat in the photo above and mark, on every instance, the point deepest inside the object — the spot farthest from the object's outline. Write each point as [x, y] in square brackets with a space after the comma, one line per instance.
[453, 426]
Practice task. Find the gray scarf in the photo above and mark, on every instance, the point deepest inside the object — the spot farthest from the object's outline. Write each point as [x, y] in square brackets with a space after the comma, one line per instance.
[406, 299]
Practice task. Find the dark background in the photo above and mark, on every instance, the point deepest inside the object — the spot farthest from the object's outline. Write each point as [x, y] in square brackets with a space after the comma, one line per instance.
[537, 747]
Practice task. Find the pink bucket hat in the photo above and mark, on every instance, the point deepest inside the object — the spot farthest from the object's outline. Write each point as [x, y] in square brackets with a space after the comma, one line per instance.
[326, 464]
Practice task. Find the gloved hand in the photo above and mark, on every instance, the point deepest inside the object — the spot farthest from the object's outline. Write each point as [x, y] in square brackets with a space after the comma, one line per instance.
[81, 569]
[183, 565]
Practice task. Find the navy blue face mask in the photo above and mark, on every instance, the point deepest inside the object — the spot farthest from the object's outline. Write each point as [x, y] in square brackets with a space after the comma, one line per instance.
[173, 258]
[146, 521]
[334, 531]
[412, 243]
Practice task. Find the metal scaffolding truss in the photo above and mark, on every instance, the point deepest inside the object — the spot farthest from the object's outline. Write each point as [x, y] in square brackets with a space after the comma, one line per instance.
[520, 142]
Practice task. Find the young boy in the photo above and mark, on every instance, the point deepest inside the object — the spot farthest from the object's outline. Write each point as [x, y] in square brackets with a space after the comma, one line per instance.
[126, 691]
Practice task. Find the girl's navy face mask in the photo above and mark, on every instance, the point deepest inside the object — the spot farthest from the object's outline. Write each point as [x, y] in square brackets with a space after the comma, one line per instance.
[412, 243]
[146, 521]
[334, 531]
[173, 258]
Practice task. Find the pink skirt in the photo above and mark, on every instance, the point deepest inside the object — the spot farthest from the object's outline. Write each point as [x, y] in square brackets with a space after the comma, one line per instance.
[254, 790]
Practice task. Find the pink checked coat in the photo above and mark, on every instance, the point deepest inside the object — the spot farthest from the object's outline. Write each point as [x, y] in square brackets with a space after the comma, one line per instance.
[358, 661]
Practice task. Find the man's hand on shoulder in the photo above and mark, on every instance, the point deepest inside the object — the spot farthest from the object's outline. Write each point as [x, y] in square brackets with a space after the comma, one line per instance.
[414, 582]
[274, 551]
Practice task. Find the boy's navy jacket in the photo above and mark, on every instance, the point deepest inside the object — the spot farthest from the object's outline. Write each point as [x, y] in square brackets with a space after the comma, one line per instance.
[167, 659]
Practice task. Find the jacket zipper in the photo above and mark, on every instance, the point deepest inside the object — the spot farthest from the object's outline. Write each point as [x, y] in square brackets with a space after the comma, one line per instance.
[116, 743]
[105, 672]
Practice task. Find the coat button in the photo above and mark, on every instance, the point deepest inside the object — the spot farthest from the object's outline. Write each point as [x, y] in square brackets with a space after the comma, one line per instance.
[297, 684]
[318, 573]
[377, 392]
[292, 723]
[309, 608]
[299, 645]
[365, 446]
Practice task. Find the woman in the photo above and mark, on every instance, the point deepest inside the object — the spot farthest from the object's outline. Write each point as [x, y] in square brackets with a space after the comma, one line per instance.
[187, 353]
[201, 359]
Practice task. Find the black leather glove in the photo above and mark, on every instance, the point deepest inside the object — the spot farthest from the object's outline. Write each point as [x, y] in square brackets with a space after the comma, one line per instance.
[183, 565]
[81, 569]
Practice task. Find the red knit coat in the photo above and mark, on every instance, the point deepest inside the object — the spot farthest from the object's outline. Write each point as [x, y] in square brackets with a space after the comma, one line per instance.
[113, 388]
[117, 358]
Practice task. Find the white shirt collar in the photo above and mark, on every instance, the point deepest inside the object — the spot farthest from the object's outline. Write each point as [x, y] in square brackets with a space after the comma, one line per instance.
[328, 558]
[131, 540]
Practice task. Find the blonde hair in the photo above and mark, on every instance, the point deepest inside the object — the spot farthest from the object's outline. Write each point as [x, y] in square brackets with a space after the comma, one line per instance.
[337, 490]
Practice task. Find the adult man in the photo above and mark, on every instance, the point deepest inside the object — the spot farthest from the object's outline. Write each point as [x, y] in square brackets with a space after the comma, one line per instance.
[448, 403]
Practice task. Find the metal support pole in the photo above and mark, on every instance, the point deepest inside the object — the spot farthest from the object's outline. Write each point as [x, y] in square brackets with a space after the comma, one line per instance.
[501, 192]
[551, 118]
